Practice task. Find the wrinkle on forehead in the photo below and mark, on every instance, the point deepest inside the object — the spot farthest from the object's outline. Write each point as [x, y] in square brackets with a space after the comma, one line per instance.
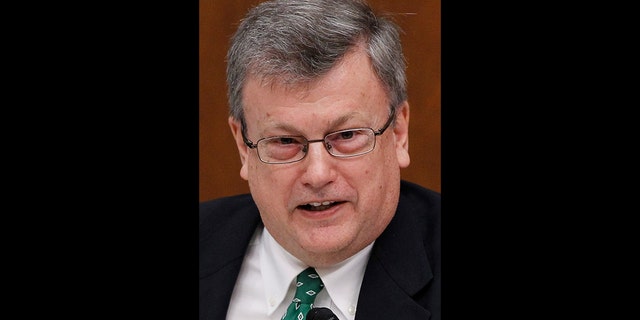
[350, 90]
[332, 124]
[301, 85]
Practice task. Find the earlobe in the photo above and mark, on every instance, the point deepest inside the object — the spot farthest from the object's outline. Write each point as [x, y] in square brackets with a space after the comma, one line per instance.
[401, 132]
[236, 130]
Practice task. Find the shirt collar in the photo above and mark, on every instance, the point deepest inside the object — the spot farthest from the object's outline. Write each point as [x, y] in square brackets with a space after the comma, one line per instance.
[279, 269]
[343, 280]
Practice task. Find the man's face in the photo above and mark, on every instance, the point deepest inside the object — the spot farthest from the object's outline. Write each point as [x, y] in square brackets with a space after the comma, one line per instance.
[359, 194]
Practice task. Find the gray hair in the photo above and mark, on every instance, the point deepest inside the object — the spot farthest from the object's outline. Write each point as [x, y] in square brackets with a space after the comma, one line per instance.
[297, 41]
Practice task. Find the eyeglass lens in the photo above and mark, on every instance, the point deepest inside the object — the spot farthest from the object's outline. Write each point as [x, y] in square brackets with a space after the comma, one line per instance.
[344, 143]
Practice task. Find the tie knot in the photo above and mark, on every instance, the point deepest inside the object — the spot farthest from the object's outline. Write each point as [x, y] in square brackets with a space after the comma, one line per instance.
[308, 284]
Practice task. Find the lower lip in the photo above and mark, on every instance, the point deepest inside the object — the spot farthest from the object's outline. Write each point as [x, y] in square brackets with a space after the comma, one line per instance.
[321, 215]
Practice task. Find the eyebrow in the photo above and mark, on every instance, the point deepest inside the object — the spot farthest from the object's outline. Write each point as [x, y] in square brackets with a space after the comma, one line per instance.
[333, 124]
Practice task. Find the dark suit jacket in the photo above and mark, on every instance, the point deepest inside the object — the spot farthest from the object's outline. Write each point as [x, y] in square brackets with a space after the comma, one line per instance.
[402, 279]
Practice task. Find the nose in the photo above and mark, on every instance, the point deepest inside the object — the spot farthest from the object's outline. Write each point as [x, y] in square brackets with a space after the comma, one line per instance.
[318, 166]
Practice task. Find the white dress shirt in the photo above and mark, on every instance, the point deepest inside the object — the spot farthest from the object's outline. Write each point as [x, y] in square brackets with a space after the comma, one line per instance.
[266, 283]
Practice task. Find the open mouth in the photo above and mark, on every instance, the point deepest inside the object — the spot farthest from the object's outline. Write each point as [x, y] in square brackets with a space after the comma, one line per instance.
[319, 206]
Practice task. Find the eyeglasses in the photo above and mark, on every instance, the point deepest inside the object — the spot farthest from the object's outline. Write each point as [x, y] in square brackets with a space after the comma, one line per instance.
[341, 144]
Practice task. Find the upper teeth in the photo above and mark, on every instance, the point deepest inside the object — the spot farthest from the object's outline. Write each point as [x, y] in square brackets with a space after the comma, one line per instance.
[317, 204]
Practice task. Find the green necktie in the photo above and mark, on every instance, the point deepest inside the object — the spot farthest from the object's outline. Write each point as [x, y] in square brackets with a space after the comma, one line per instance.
[308, 285]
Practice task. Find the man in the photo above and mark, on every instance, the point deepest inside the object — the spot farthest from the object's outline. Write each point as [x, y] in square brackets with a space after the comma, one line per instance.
[320, 117]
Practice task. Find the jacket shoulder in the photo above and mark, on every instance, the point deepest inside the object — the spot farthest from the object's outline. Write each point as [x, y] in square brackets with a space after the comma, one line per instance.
[225, 228]
[224, 207]
[419, 195]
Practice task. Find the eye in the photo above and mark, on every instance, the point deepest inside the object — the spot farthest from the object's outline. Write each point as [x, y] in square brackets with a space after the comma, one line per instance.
[285, 140]
[350, 142]
[345, 135]
[280, 148]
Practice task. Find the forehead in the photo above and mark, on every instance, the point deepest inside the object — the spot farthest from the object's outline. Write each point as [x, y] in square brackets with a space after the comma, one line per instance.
[351, 86]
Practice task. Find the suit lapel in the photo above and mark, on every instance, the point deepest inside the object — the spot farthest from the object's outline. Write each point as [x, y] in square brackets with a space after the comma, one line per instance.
[398, 269]
[222, 250]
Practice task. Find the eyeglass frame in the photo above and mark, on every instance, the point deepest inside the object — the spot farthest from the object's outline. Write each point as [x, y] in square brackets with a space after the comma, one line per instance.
[252, 145]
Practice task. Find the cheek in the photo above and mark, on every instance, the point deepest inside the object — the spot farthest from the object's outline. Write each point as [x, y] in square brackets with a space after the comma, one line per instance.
[257, 179]
[267, 195]
[380, 166]
[269, 185]
[379, 178]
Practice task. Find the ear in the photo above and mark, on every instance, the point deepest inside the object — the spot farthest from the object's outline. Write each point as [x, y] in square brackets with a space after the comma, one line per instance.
[236, 130]
[401, 134]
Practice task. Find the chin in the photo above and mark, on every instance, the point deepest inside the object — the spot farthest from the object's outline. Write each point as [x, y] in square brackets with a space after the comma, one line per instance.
[327, 240]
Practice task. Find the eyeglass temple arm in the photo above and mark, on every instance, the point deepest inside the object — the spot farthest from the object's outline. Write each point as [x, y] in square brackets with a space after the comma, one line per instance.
[392, 117]
[246, 140]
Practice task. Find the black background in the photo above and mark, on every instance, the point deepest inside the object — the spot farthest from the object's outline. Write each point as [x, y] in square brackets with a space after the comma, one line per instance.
[101, 162]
